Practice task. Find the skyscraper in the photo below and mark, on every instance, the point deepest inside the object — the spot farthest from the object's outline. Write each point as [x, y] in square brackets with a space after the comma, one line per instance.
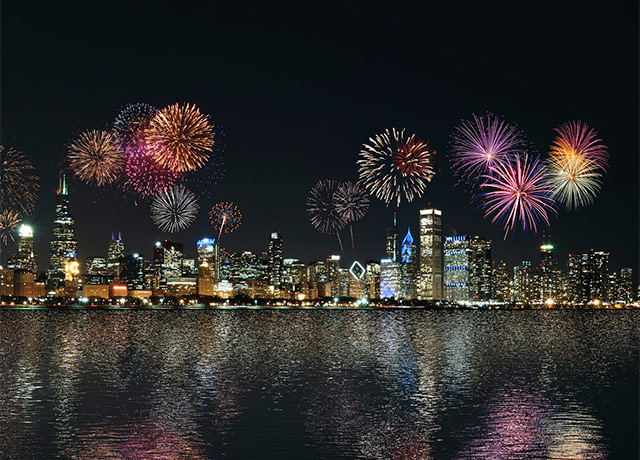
[625, 285]
[25, 259]
[523, 287]
[391, 246]
[389, 279]
[63, 245]
[206, 248]
[167, 260]
[431, 255]
[134, 271]
[501, 283]
[115, 257]
[332, 266]
[409, 267]
[480, 279]
[458, 260]
[275, 259]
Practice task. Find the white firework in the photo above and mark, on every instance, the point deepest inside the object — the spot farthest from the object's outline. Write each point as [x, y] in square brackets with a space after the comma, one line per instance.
[174, 209]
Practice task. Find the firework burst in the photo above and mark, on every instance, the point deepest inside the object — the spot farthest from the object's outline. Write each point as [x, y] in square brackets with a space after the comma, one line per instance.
[146, 177]
[130, 125]
[225, 217]
[180, 137]
[394, 166]
[576, 138]
[174, 209]
[518, 190]
[322, 209]
[18, 182]
[9, 220]
[478, 144]
[96, 158]
[352, 203]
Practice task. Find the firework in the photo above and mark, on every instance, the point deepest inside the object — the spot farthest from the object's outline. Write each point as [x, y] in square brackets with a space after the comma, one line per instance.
[145, 176]
[225, 217]
[576, 138]
[130, 125]
[518, 190]
[576, 181]
[352, 203]
[9, 220]
[393, 166]
[180, 137]
[96, 158]
[174, 209]
[18, 182]
[480, 143]
[322, 209]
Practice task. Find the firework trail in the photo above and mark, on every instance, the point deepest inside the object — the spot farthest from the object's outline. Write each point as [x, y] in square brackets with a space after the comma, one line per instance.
[180, 137]
[518, 190]
[322, 210]
[18, 182]
[96, 158]
[394, 165]
[225, 217]
[174, 209]
[352, 203]
[478, 144]
[578, 160]
[130, 125]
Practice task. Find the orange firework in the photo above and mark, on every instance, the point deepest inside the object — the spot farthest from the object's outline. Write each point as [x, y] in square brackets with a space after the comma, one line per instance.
[180, 137]
[9, 220]
[18, 181]
[225, 217]
[96, 158]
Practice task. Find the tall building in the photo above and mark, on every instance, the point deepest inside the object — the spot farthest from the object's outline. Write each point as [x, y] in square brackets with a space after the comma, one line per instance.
[275, 259]
[97, 271]
[431, 255]
[523, 286]
[115, 257]
[625, 285]
[547, 285]
[391, 246]
[501, 283]
[205, 280]
[480, 279]
[167, 260]
[63, 245]
[588, 276]
[25, 259]
[409, 267]
[372, 280]
[332, 266]
[458, 260]
[389, 279]
[134, 271]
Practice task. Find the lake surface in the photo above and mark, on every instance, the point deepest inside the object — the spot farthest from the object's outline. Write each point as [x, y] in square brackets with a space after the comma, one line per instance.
[400, 384]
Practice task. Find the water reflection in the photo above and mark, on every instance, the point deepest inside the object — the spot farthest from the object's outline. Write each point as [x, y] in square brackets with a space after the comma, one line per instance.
[309, 384]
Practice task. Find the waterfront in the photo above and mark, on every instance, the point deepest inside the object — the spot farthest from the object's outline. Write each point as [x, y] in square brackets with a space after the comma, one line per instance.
[318, 384]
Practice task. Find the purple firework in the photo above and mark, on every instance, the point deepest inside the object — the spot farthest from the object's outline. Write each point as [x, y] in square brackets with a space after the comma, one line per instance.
[518, 190]
[479, 144]
[130, 125]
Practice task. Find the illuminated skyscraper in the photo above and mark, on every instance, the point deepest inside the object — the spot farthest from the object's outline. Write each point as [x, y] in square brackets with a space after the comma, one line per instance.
[25, 259]
[275, 259]
[501, 283]
[409, 267]
[391, 247]
[458, 260]
[206, 248]
[480, 278]
[625, 285]
[389, 279]
[332, 266]
[115, 257]
[372, 280]
[431, 255]
[167, 260]
[523, 285]
[97, 271]
[134, 271]
[63, 245]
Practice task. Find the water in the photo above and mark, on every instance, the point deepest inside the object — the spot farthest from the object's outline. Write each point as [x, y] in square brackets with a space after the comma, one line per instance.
[319, 384]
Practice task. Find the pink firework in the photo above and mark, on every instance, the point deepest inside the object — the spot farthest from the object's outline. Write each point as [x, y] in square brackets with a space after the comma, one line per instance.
[479, 144]
[577, 139]
[145, 176]
[518, 190]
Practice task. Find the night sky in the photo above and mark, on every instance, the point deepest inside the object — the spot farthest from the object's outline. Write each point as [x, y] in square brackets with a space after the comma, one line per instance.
[297, 91]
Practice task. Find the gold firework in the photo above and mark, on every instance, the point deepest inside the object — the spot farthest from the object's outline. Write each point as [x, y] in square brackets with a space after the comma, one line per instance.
[180, 137]
[18, 182]
[95, 157]
[9, 220]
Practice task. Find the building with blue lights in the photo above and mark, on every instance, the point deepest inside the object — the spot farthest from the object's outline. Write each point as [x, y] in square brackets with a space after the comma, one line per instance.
[457, 268]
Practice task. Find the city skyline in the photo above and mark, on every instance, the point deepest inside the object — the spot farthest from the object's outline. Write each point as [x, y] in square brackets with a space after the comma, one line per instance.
[287, 127]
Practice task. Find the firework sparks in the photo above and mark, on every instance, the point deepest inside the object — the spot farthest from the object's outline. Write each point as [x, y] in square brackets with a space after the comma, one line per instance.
[394, 166]
[576, 138]
[9, 220]
[95, 157]
[480, 143]
[577, 161]
[145, 176]
[180, 137]
[322, 210]
[519, 190]
[225, 217]
[130, 125]
[18, 182]
[352, 203]
[174, 209]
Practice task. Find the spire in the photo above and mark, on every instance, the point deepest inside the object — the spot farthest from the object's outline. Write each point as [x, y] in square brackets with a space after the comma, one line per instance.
[62, 185]
[408, 239]
[395, 219]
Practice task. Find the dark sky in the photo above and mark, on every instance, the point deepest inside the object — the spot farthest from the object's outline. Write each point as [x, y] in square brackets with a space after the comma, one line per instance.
[298, 89]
